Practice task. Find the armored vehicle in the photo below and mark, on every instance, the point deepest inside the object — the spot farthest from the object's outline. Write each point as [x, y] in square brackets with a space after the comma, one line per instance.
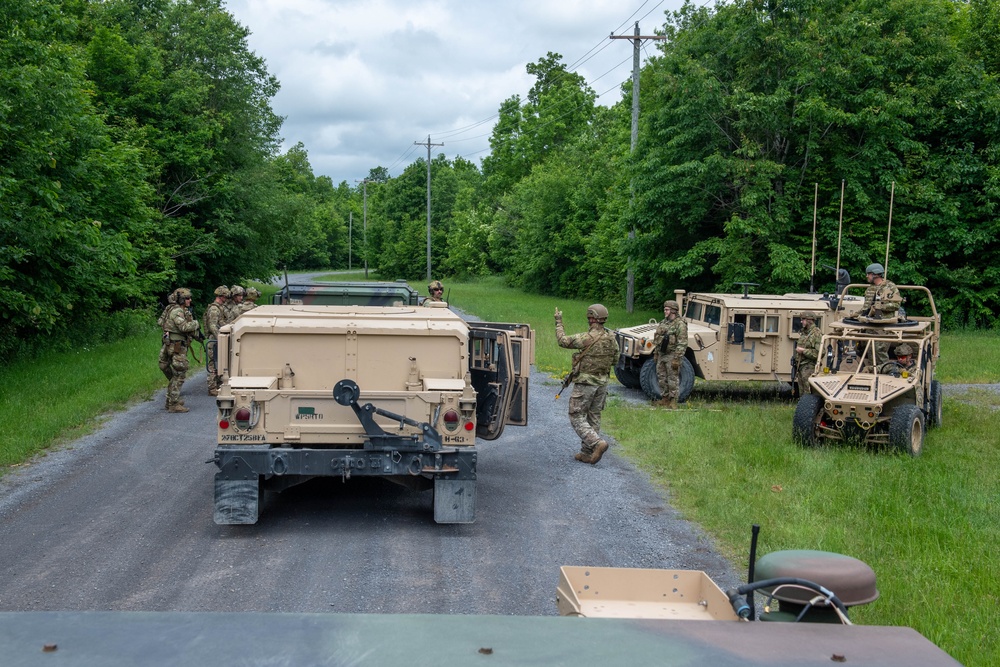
[400, 392]
[731, 337]
[874, 382]
[362, 293]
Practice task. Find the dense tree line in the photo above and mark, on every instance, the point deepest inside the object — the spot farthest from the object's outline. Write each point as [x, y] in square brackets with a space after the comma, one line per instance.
[746, 109]
[139, 151]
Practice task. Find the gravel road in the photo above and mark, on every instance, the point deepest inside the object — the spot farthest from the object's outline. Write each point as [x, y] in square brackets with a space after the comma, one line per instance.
[122, 520]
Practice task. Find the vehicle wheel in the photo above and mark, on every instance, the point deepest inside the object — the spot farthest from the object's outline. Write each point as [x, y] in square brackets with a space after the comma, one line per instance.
[687, 380]
[934, 405]
[648, 380]
[804, 422]
[628, 376]
[906, 429]
[651, 384]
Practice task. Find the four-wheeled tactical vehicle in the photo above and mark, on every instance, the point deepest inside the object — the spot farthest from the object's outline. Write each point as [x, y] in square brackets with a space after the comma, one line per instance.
[399, 392]
[860, 390]
[731, 337]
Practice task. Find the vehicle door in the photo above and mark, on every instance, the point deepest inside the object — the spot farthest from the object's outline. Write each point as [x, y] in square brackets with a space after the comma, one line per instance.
[753, 340]
[500, 358]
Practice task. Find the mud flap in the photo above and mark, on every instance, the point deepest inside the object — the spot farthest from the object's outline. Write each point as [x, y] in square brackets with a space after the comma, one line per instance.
[454, 500]
[237, 501]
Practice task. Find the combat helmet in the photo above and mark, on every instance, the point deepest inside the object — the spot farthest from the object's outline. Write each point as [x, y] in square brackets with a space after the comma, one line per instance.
[181, 293]
[875, 268]
[672, 305]
[904, 350]
[253, 293]
[598, 312]
[236, 290]
[807, 315]
[222, 290]
[435, 284]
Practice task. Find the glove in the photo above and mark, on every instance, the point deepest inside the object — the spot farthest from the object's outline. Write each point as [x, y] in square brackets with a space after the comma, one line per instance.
[675, 364]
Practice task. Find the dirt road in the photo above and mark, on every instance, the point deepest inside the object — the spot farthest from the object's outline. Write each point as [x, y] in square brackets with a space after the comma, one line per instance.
[122, 520]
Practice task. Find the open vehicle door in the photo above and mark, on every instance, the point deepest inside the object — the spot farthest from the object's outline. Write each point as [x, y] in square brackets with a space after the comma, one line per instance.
[500, 358]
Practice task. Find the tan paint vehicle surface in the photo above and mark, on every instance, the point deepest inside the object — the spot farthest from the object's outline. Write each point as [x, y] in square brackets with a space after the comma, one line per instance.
[344, 391]
[854, 398]
[731, 337]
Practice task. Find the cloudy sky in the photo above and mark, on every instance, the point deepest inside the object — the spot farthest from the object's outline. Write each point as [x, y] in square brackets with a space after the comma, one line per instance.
[362, 80]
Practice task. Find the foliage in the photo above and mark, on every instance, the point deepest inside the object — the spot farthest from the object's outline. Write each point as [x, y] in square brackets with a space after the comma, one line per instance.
[752, 105]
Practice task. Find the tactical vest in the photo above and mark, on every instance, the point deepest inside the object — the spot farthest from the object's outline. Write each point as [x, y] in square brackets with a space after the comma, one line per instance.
[600, 356]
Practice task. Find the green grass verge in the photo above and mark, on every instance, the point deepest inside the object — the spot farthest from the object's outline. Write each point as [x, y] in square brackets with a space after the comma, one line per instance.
[63, 395]
[928, 526]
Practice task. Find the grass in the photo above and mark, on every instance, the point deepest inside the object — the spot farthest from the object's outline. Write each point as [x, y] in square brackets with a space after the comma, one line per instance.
[63, 395]
[928, 526]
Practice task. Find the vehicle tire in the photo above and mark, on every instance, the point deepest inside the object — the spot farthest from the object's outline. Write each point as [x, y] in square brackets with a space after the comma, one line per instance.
[934, 405]
[651, 384]
[906, 429]
[648, 380]
[629, 377]
[804, 421]
[687, 380]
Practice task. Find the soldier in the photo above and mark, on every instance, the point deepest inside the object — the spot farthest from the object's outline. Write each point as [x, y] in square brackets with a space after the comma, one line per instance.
[881, 303]
[435, 290]
[881, 298]
[592, 365]
[235, 305]
[179, 327]
[807, 351]
[250, 300]
[902, 365]
[215, 317]
[669, 344]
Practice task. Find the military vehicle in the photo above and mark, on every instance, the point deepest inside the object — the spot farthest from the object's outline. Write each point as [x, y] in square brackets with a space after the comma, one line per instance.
[361, 293]
[399, 392]
[860, 390]
[731, 337]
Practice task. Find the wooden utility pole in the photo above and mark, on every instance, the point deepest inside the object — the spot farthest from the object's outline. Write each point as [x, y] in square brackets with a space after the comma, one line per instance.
[364, 239]
[428, 144]
[636, 42]
[350, 238]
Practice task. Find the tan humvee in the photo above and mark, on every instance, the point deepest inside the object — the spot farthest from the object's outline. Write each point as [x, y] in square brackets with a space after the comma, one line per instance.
[731, 337]
[346, 391]
[858, 396]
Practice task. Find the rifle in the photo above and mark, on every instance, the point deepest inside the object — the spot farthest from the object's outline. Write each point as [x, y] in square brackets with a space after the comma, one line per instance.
[795, 385]
[568, 380]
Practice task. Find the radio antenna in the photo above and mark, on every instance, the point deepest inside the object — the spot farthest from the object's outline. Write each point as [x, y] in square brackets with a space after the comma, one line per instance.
[840, 229]
[888, 233]
[812, 268]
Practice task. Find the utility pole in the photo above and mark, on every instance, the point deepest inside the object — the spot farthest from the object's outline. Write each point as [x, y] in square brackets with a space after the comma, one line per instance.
[428, 144]
[364, 239]
[350, 238]
[636, 42]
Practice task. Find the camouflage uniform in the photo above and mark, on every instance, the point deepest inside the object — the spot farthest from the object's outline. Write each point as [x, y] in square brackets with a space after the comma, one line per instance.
[669, 344]
[898, 366]
[881, 303]
[598, 354]
[179, 327]
[250, 300]
[215, 317]
[805, 361]
[434, 298]
[235, 306]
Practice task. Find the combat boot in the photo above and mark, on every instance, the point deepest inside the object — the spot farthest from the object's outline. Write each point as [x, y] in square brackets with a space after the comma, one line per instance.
[213, 392]
[583, 457]
[660, 402]
[177, 407]
[599, 450]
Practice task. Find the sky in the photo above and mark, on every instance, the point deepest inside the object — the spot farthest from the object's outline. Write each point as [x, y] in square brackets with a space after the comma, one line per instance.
[362, 81]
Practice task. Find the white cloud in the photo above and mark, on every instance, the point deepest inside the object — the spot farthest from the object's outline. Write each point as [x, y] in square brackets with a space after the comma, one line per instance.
[361, 80]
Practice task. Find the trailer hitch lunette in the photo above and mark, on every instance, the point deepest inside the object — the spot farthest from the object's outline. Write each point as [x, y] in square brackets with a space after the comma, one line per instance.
[346, 393]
